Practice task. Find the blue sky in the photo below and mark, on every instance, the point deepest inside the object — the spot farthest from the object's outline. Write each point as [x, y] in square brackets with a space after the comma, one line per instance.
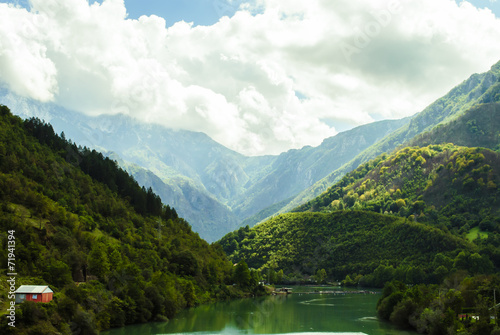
[494, 5]
[207, 12]
[200, 12]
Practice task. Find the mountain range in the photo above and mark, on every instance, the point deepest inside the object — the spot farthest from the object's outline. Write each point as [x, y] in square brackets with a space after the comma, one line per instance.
[218, 190]
[211, 186]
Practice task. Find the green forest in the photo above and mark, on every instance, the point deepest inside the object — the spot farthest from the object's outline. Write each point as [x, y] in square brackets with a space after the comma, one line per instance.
[452, 187]
[359, 246]
[109, 249]
[460, 305]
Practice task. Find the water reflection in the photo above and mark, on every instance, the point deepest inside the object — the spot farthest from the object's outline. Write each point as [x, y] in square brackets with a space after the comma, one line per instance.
[286, 314]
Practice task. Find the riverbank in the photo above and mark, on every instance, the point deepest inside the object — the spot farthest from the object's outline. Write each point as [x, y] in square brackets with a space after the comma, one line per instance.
[289, 290]
[282, 314]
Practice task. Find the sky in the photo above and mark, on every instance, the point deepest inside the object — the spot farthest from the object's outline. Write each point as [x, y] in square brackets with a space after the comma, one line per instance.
[258, 76]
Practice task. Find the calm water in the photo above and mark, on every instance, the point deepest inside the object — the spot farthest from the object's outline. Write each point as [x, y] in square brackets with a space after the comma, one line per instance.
[296, 313]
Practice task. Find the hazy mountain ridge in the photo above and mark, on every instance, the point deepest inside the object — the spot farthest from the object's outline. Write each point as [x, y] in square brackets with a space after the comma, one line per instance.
[477, 127]
[211, 186]
[296, 170]
[211, 216]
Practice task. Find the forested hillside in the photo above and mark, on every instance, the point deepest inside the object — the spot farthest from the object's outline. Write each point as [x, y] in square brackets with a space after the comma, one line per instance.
[451, 187]
[445, 186]
[430, 203]
[346, 244]
[109, 249]
[462, 304]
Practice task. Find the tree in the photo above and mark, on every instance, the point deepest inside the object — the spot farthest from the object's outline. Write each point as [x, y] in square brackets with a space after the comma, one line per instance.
[402, 312]
[400, 203]
[321, 275]
[271, 276]
[279, 277]
[185, 263]
[415, 275]
[58, 274]
[241, 275]
[348, 281]
[98, 261]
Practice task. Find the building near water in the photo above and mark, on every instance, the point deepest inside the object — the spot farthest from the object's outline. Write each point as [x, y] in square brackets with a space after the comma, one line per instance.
[34, 293]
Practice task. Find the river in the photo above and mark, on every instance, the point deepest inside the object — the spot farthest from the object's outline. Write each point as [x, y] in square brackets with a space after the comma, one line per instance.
[283, 314]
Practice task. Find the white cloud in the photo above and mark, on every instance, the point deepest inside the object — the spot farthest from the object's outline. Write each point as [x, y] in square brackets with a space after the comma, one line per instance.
[239, 79]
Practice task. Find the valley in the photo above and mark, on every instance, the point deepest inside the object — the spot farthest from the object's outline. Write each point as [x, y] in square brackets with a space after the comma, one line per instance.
[404, 205]
[249, 167]
[219, 190]
[214, 188]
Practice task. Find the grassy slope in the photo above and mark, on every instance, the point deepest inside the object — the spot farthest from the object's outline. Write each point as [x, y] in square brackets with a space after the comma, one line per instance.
[475, 233]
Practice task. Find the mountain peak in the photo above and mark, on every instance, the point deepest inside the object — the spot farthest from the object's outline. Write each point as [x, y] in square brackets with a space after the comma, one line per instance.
[495, 67]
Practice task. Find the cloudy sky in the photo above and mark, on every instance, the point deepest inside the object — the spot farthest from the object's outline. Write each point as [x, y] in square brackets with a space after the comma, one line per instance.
[259, 76]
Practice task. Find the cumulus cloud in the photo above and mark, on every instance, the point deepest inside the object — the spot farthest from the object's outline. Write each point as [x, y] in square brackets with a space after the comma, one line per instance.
[274, 76]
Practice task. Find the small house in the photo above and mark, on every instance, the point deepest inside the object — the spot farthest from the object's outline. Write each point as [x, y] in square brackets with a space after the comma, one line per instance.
[34, 293]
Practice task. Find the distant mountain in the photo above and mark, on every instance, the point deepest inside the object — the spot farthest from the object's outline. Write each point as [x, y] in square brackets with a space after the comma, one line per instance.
[296, 170]
[212, 218]
[213, 187]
